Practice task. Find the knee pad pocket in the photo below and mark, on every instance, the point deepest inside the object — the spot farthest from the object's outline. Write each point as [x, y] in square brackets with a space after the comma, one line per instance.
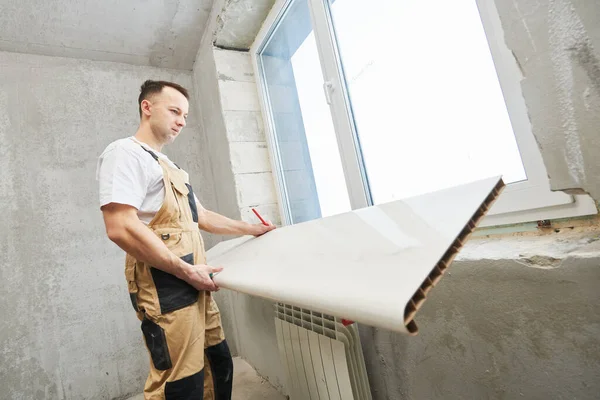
[188, 388]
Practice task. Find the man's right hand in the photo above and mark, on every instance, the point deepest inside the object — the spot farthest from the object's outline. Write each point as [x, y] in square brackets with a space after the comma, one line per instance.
[126, 230]
[199, 276]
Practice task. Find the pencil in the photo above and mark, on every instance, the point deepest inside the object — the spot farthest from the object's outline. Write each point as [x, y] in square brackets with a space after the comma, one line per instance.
[259, 217]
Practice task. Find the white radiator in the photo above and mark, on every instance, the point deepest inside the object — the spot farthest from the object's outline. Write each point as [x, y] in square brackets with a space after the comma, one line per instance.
[323, 359]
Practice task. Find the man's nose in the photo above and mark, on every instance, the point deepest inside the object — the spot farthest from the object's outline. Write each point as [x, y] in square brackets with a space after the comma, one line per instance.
[181, 122]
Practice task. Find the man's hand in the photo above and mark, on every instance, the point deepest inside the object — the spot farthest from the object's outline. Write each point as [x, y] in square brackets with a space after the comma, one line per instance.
[199, 276]
[261, 229]
[212, 222]
[126, 230]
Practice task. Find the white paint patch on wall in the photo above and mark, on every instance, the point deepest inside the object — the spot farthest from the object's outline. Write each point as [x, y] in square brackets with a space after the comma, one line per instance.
[529, 35]
[586, 96]
[566, 32]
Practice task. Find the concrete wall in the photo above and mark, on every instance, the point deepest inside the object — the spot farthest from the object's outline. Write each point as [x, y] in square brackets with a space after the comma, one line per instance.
[215, 148]
[68, 330]
[557, 45]
[500, 327]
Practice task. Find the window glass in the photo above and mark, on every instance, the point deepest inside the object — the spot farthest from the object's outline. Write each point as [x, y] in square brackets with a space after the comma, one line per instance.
[311, 169]
[425, 96]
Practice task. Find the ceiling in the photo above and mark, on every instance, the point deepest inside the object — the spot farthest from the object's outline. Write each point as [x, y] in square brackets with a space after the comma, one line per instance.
[161, 33]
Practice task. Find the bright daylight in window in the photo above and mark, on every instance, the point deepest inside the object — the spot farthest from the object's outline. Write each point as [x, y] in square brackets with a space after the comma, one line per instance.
[423, 96]
[426, 99]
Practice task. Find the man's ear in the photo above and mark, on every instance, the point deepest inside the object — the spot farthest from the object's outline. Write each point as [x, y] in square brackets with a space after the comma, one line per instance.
[145, 107]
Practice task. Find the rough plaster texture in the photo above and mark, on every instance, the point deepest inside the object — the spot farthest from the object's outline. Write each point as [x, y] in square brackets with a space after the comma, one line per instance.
[239, 21]
[499, 328]
[68, 330]
[155, 32]
[249, 156]
[557, 45]
[215, 148]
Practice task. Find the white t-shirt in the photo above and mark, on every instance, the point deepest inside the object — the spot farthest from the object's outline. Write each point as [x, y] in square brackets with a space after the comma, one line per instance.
[128, 174]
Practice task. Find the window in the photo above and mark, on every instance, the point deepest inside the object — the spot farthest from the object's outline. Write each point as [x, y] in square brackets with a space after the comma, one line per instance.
[309, 161]
[439, 119]
[394, 101]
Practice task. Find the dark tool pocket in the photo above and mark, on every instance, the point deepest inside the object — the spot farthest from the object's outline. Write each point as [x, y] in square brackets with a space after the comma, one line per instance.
[133, 298]
[173, 293]
[157, 344]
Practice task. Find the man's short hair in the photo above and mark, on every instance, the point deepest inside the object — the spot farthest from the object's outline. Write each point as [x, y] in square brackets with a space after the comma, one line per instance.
[150, 88]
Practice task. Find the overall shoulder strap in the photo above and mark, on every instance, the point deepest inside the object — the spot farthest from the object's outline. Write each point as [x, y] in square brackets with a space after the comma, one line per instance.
[153, 154]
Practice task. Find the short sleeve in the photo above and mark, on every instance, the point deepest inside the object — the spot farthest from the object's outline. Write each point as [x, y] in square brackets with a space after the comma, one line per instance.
[122, 178]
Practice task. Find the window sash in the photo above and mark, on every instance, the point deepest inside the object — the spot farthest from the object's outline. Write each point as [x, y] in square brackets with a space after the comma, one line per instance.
[523, 201]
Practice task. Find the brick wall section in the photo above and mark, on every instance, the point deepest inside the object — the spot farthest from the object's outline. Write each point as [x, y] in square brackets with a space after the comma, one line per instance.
[250, 162]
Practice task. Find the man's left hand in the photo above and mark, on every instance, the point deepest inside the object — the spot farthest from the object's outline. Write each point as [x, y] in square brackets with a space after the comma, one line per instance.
[261, 229]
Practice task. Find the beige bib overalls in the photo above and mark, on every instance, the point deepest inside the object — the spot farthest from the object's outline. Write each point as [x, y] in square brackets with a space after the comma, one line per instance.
[181, 325]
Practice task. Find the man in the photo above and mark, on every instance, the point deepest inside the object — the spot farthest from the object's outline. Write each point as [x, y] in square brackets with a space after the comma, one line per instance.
[150, 211]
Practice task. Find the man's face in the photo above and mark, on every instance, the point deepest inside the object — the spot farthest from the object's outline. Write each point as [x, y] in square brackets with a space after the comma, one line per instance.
[168, 114]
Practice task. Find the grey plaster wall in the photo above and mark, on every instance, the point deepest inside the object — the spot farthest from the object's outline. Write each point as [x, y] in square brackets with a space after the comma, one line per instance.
[557, 45]
[67, 329]
[216, 146]
[497, 329]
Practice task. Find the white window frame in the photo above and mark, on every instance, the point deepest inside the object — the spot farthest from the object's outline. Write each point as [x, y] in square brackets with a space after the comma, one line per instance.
[524, 201]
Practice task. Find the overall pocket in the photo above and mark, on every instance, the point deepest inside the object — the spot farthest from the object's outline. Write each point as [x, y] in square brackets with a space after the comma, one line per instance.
[156, 341]
[173, 293]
